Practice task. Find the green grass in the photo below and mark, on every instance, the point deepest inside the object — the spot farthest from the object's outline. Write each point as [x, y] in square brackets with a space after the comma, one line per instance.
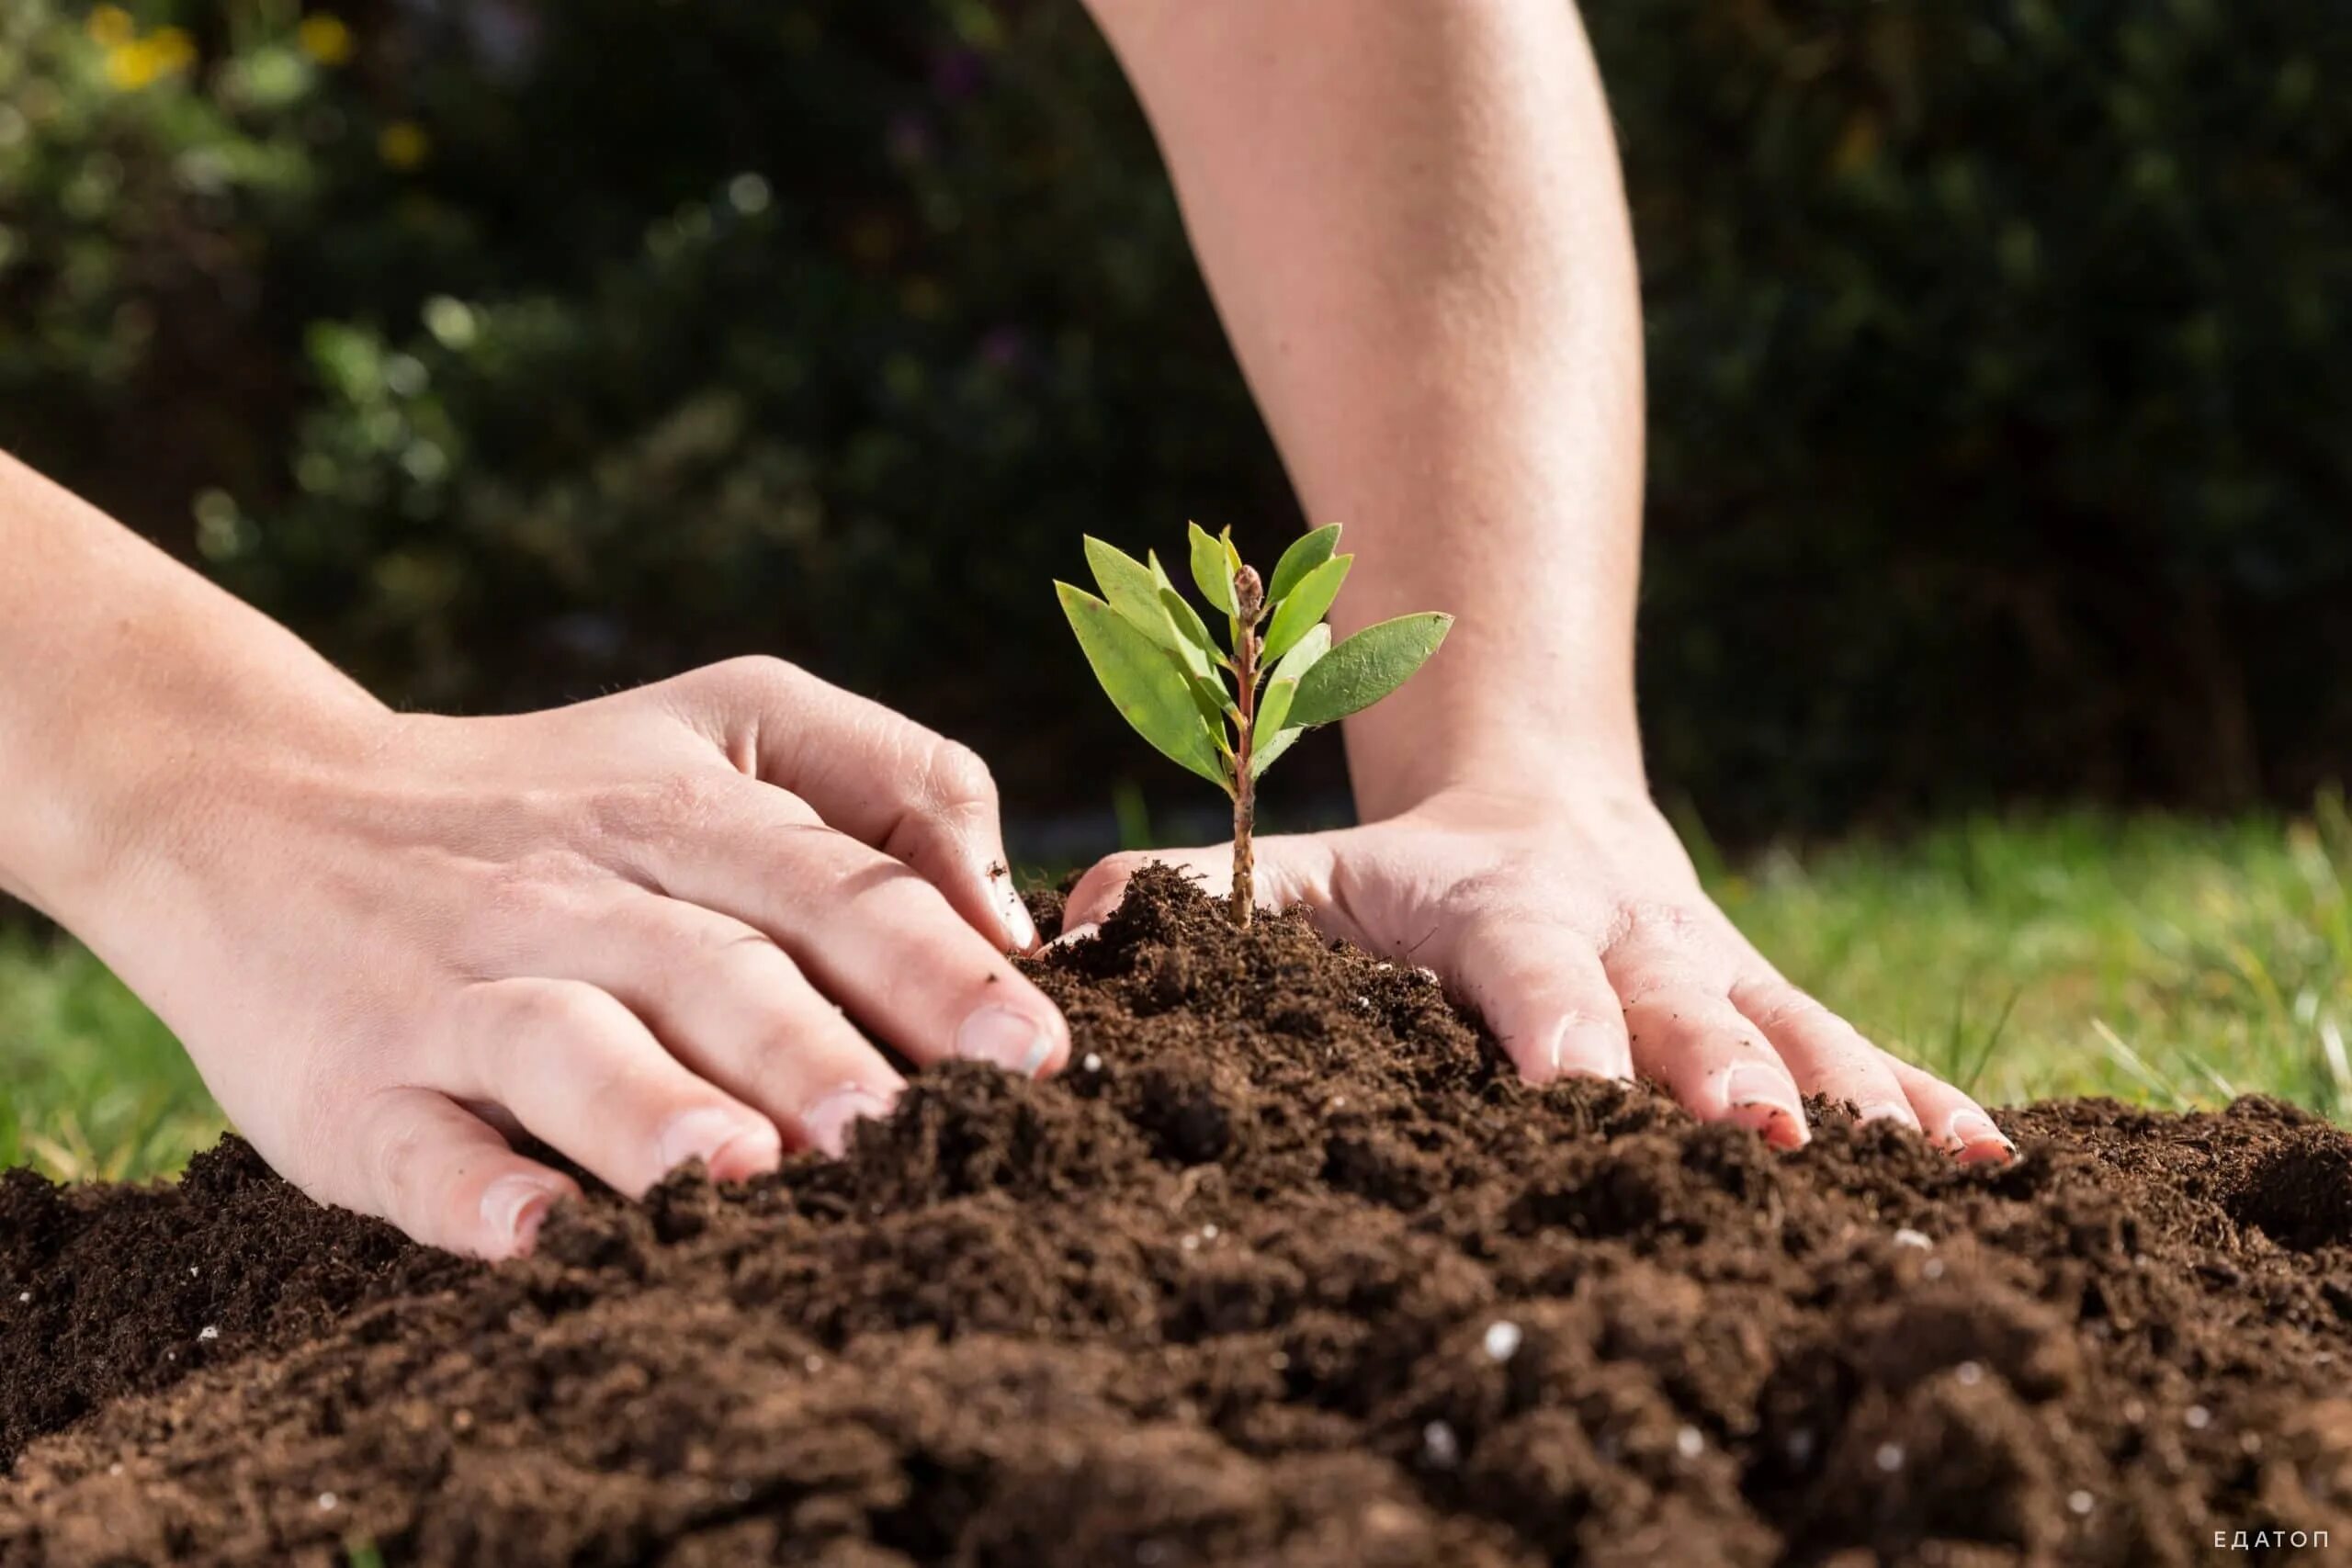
[2164, 960]
[91, 1083]
[2161, 961]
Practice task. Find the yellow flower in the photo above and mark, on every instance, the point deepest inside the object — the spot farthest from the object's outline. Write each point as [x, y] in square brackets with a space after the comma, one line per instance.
[110, 25]
[324, 39]
[142, 63]
[403, 145]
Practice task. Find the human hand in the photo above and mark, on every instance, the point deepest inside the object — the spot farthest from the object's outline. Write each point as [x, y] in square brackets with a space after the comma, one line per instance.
[391, 942]
[1578, 928]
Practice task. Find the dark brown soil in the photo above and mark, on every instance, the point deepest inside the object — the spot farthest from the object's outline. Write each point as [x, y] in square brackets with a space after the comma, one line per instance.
[1286, 1269]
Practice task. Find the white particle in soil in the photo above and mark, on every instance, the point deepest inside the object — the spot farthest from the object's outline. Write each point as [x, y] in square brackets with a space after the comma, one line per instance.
[2250, 1442]
[1690, 1442]
[1278, 1361]
[2079, 1501]
[1383, 967]
[115, 1469]
[171, 1354]
[1426, 973]
[1933, 1268]
[1439, 1448]
[1970, 1372]
[1190, 1242]
[1890, 1456]
[1502, 1340]
[191, 1270]
[208, 1332]
[1093, 1063]
[813, 1363]
[1906, 1237]
[24, 1295]
[2197, 1417]
[1208, 1233]
[326, 1500]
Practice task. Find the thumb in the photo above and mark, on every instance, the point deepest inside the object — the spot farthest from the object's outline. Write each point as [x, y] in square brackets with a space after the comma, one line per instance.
[1287, 871]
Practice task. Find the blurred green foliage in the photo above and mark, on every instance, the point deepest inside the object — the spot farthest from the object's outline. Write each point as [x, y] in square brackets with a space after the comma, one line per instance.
[515, 351]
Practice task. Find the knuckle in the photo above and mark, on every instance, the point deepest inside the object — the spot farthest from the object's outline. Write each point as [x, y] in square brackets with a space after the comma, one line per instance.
[755, 675]
[955, 775]
[401, 1169]
[1676, 927]
[508, 901]
[655, 809]
[554, 1009]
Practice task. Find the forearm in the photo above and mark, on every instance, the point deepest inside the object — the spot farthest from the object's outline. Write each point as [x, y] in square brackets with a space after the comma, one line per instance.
[120, 671]
[1410, 218]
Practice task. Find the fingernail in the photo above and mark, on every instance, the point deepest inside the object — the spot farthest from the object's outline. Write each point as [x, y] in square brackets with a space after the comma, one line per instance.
[1016, 914]
[1012, 1041]
[1757, 1098]
[729, 1148]
[514, 1206]
[1973, 1130]
[1579, 1050]
[1072, 935]
[1884, 1110]
[827, 1123]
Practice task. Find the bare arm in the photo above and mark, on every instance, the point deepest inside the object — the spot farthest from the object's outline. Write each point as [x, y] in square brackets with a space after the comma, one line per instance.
[1410, 215]
[1410, 219]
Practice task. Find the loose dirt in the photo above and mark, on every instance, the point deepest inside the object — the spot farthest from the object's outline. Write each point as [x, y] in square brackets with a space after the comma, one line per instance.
[1285, 1269]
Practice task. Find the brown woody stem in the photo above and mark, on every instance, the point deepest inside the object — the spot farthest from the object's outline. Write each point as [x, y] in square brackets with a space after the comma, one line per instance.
[1250, 595]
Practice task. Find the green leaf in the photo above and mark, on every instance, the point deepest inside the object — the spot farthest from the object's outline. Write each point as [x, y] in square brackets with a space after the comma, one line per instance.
[1212, 569]
[1132, 590]
[1143, 682]
[1306, 553]
[1367, 667]
[1305, 606]
[1263, 757]
[1294, 665]
[1272, 709]
[1193, 646]
[1208, 697]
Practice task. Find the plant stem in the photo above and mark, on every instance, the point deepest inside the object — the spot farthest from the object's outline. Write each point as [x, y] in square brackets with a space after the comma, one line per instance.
[1249, 595]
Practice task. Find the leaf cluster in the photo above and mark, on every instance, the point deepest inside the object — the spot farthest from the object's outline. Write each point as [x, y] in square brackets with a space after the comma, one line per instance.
[1182, 689]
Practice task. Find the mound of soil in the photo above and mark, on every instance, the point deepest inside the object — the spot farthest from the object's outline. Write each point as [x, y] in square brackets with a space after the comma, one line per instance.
[1286, 1269]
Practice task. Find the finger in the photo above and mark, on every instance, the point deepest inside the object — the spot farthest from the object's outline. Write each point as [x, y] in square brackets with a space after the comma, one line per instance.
[1286, 871]
[1689, 1037]
[1545, 995]
[1826, 1054]
[1949, 1118]
[874, 775]
[583, 1074]
[869, 933]
[737, 1010]
[441, 1175]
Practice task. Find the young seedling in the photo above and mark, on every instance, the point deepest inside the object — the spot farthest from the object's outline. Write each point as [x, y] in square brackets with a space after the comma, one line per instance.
[1227, 711]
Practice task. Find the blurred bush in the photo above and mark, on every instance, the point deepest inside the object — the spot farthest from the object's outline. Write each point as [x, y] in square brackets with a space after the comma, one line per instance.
[515, 350]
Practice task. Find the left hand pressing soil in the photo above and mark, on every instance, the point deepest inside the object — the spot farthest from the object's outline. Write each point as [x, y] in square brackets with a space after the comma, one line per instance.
[1580, 930]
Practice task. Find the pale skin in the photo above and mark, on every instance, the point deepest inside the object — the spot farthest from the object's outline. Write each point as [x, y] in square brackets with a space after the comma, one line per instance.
[1409, 216]
[669, 925]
